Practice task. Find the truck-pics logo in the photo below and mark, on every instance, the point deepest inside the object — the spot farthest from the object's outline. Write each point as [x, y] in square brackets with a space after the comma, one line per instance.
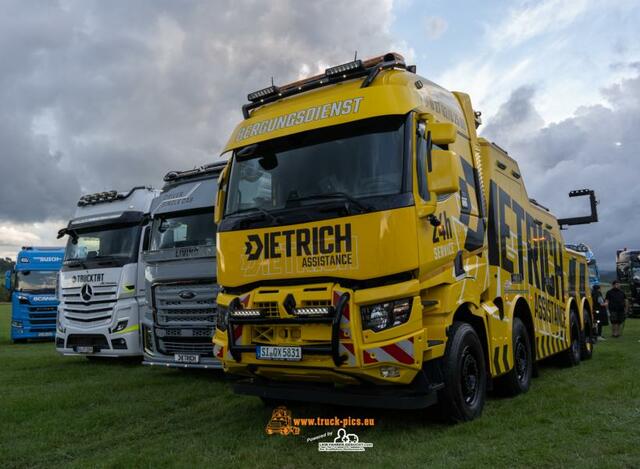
[281, 423]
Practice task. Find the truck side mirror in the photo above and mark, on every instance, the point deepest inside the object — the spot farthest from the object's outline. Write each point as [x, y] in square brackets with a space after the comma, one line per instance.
[442, 133]
[444, 177]
[7, 280]
[221, 196]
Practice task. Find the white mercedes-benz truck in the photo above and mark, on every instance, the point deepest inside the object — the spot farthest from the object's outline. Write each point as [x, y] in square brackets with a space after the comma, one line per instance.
[180, 266]
[101, 286]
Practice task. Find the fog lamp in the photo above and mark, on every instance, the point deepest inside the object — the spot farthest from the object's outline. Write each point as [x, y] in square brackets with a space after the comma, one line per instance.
[120, 326]
[389, 371]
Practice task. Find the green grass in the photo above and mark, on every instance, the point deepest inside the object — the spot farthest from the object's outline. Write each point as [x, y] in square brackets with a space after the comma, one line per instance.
[66, 411]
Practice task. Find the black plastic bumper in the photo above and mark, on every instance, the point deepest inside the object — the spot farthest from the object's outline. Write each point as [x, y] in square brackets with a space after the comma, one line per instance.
[414, 396]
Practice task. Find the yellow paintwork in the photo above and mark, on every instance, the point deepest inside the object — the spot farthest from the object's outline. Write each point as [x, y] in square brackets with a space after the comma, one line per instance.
[405, 241]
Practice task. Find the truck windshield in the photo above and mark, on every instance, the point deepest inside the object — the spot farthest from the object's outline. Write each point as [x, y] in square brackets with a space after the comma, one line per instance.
[355, 162]
[174, 230]
[34, 281]
[118, 245]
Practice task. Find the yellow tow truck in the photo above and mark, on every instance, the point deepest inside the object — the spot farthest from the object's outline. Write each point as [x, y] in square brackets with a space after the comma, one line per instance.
[374, 251]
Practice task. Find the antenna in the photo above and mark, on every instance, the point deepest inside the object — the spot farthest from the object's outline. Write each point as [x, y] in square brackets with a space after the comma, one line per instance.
[272, 82]
[355, 57]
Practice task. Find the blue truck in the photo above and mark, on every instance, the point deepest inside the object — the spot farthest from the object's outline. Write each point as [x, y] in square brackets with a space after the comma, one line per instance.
[32, 284]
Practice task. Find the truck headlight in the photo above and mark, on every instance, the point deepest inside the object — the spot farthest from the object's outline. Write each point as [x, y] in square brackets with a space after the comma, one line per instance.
[61, 329]
[380, 316]
[17, 324]
[121, 325]
[222, 320]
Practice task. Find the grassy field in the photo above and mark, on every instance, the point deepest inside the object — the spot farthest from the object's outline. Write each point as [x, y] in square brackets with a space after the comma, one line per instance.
[62, 411]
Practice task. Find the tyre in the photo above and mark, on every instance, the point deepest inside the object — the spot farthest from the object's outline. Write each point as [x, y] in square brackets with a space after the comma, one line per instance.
[587, 338]
[518, 379]
[465, 375]
[571, 356]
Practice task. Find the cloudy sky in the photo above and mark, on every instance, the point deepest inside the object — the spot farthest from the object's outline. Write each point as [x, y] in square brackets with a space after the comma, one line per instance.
[98, 95]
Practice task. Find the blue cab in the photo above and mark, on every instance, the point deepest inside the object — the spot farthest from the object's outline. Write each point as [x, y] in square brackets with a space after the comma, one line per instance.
[32, 283]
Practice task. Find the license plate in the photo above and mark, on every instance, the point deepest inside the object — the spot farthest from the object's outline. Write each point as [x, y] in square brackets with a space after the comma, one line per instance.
[45, 334]
[279, 353]
[186, 358]
[84, 349]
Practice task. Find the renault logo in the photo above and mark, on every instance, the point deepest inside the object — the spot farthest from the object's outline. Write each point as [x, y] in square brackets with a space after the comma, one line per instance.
[186, 295]
[86, 292]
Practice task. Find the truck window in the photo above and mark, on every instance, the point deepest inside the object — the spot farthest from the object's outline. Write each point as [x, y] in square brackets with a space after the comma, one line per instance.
[34, 281]
[100, 243]
[359, 160]
[180, 230]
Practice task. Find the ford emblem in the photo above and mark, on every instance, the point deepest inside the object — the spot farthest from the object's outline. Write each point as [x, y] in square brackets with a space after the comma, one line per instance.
[187, 295]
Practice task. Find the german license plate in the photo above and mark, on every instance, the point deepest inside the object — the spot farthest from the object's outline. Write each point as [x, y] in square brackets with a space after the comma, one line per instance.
[186, 358]
[84, 349]
[45, 334]
[279, 353]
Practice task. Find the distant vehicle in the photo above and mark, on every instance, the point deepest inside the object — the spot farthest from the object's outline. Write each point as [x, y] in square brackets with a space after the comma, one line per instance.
[180, 272]
[101, 288]
[32, 284]
[628, 273]
[594, 273]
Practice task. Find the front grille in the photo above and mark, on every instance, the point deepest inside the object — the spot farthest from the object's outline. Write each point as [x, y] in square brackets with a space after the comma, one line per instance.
[97, 341]
[185, 317]
[98, 308]
[186, 345]
[184, 332]
[43, 315]
[269, 308]
[185, 304]
[310, 303]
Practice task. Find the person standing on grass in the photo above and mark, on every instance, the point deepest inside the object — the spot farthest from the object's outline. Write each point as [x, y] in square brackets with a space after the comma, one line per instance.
[601, 310]
[616, 301]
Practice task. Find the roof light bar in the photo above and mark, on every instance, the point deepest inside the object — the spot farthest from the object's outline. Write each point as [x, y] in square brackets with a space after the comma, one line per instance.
[368, 68]
[207, 168]
[263, 93]
[344, 69]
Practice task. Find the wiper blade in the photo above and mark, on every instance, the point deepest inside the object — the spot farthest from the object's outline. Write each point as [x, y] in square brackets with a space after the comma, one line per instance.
[335, 195]
[264, 214]
[75, 263]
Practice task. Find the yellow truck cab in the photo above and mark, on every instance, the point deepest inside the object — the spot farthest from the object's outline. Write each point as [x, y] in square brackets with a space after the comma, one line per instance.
[374, 251]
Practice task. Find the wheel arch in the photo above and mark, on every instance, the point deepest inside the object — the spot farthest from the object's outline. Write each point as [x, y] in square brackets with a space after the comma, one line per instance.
[522, 311]
[465, 313]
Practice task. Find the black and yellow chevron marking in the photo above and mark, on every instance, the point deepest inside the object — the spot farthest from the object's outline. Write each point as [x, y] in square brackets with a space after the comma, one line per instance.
[547, 345]
[503, 366]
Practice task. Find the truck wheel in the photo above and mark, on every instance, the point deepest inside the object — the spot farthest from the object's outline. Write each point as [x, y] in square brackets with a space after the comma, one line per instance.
[587, 339]
[571, 356]
[518, 379]
[465, 375]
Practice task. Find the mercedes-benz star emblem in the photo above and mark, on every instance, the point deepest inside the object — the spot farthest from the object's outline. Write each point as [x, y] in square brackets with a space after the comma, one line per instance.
[86, 292]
